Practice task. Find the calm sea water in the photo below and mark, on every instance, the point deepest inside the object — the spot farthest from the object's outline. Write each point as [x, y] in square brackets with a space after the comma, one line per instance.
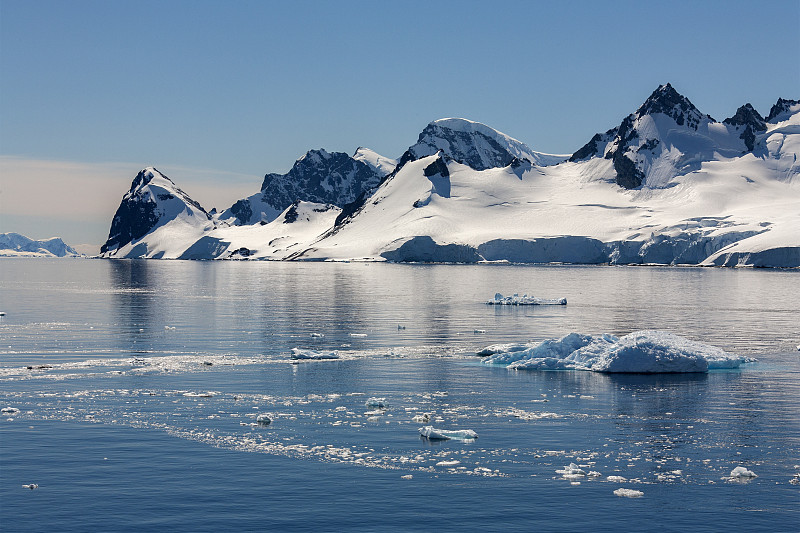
[138, 410]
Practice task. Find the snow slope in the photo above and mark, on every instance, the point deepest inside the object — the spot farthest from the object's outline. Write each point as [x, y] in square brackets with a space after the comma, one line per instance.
[16, 245]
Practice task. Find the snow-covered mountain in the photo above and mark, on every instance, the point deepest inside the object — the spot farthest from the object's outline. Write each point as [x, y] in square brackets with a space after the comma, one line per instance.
[155, 208]
[669, 185]
[668, 136]
[319, 176]
[474, 144]
[16, 245]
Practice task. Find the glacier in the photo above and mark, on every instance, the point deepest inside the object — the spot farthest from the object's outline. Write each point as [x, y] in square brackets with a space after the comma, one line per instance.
[668, 186]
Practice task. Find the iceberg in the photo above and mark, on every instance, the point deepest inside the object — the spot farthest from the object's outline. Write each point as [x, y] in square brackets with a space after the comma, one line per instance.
[516, 299]
[643, 352]
[264, 419]
[299, 353]
[430, 432]
[741, 472]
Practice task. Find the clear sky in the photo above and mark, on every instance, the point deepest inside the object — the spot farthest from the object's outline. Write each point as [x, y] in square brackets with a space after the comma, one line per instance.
[216, 94]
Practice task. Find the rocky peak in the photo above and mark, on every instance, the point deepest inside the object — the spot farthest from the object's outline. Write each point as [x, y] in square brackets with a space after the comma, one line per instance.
[749, 121]
[318, 176]
[152, 200]
[670, 102]
[747, 116]
[781, 110]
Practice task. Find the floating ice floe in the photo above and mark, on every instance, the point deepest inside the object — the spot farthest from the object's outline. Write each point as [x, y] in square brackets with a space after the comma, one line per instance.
[407, 476]
[448, 463]
[516, 299]
[299, 353]
[32, 486]
[645, 352]
[422, 418]
[628, 493]
[740, 473]
[9, 410]
[317, 335]
[429, 432]
[264, 419]
[616, 479]
[379, 403]
[359, 335]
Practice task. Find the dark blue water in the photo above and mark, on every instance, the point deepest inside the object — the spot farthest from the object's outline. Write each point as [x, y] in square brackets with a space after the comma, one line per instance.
[130, 424]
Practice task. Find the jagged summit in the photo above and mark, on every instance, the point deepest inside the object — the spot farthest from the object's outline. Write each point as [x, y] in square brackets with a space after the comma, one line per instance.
[152, 201]
[318, 176]
[668, 101]
[668, 136]
[750, 122]
[782, 110]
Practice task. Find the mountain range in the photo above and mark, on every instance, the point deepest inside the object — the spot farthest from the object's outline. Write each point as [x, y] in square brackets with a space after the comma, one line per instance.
[668, 185]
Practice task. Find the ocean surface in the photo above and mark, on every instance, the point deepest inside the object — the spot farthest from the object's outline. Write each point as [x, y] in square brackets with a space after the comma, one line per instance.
[131, 391]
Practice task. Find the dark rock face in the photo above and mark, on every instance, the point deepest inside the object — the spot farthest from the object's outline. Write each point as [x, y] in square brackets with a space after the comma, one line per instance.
[321, 177]
[242, 210]
[291, 214]
[751, 122]
[781, 106]
[437, 167]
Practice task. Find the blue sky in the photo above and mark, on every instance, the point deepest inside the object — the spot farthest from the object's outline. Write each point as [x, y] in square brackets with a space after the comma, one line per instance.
[216, 94]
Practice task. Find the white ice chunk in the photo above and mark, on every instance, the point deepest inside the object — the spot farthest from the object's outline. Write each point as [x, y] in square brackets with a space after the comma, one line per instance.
[644, 352]
[9, 410]
[264, 419]
[448, 463]
[299, 353]
[429, 432]
[616, 479]
[516, 299]
[741, 472]
[571, 470]
[628, 493]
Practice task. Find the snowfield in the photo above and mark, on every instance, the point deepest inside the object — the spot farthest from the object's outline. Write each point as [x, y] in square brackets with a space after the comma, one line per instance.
[466, 193]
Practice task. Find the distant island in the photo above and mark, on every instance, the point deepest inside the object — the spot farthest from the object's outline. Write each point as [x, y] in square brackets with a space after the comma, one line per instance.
[669, 185]
[16, 245]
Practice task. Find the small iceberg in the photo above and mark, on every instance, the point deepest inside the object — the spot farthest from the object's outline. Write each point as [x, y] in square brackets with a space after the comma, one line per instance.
[740, 473]
[299, 353]
[430, 432]
[642, 352]
[264, 419]
[9, 410]
[516, 299]
[376, 403]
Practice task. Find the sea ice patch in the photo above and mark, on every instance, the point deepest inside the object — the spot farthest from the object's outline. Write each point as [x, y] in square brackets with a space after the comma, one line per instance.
[628, 493]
